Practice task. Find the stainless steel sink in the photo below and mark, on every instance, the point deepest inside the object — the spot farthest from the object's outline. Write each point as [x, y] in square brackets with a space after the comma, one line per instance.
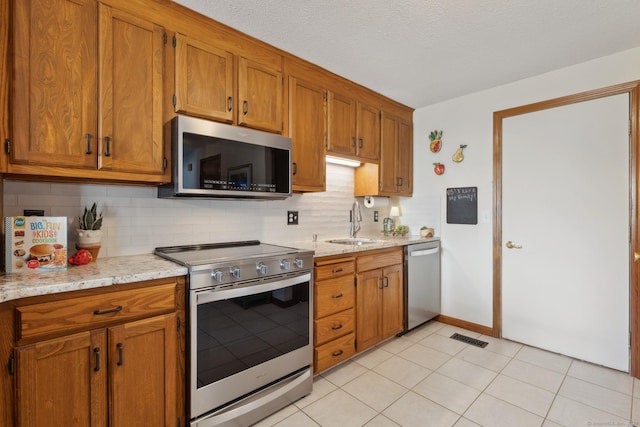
[354, 241]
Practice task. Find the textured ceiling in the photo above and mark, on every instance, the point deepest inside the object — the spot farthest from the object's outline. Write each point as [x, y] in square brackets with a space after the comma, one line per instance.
[420, 52]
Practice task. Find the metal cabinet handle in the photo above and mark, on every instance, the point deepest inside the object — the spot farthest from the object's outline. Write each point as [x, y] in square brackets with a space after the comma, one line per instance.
[353, 141]
[112, 310]
[119, 346]
[96, 352]
[88, 137]
[229, 103]
[340, 295]
[245, 107]
[386, 281]
[381, 283]
[337, 353]
[361, 141]
[336, 327]
[294, 169]
[337, 270]
[107, 141]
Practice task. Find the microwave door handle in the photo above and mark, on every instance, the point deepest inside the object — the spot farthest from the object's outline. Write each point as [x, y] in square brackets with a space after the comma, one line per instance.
[216, 295]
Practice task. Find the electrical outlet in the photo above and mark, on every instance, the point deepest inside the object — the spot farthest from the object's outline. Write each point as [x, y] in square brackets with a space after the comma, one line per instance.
[375, 216]
[292, 217]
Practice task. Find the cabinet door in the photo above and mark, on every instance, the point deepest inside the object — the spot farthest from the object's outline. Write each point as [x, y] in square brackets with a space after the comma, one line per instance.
[142, 372]
[341, 122]
[368, 309]
[204, 79]
[260, 88]
[63, 382]
[308, 134]
[392, 301]
[54, 88]
[389, 154]
[404, 163]
[368, 143]
[131, 60]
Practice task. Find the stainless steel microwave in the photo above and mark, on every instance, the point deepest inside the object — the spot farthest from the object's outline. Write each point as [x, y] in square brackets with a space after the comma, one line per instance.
[215, 160]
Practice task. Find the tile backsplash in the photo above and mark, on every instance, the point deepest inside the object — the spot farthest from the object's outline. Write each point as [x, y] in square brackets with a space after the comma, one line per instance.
[136, 221]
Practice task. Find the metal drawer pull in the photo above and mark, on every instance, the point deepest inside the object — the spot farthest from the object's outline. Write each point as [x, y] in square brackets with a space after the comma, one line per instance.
[113, 310]
[245, 107]
[229, 103]
[107, 140]
[337, 353]
[340, 295]
[336, 327]
[119, 345]
[337, 270]
[88, 136]
[96, 351]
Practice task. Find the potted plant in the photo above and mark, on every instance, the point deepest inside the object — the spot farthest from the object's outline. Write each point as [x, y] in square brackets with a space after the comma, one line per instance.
[89, 230]
[426, 231]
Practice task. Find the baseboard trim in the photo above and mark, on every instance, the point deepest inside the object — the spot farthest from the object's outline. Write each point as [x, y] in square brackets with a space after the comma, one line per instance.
[470, 326]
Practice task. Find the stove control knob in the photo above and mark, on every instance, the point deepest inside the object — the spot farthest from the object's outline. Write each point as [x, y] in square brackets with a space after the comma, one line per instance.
[235, 272]
[261, 267]
[285, 264]
[217, 275]
[297, 262]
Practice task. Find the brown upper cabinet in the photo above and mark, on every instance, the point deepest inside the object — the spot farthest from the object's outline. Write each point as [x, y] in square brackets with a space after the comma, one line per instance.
[87, 93]
[307, 129]
[214, 83]
[354, 128]
[394, 175]
[93, 84]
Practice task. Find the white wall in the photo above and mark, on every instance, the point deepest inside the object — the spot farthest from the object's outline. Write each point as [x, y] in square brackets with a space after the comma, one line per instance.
[136, 221]
[467, 276]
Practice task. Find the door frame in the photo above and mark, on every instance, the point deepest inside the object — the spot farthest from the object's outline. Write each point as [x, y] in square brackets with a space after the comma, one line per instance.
[633, 89]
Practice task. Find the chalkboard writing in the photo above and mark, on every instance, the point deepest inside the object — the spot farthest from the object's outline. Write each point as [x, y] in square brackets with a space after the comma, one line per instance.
[462, 205]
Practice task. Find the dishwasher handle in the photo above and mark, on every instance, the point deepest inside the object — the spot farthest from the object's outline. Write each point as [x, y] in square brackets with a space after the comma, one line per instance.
[424, 252]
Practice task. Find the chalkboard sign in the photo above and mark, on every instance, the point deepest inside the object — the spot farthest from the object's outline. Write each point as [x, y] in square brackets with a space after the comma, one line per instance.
[462, 205]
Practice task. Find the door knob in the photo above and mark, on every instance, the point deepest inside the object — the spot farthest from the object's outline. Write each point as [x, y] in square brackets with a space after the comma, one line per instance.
[636, 256]
[512, 245]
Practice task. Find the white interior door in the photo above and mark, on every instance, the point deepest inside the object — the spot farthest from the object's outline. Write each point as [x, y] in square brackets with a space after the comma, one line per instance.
[565, 194]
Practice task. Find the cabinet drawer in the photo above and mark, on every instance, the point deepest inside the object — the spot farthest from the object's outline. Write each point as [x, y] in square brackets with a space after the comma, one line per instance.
[334, 352]
[380, 259]
[93, 311]
[332, 296]
[334, 326]
[337, 269]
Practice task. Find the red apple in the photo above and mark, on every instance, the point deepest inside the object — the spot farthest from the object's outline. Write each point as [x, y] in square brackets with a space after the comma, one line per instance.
[439, 168]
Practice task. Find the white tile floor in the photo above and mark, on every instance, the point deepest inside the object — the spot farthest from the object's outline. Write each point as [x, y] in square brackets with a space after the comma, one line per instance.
[424, 378]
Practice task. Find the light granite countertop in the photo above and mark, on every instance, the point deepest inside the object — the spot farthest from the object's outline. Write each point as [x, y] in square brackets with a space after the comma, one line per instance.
[103, 272]
[323, 248]
[127, 269]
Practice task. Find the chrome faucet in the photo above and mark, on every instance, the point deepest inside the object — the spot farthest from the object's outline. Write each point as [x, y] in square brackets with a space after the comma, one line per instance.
[356, 218]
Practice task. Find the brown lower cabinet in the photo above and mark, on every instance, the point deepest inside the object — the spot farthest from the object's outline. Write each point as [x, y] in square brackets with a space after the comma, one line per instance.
[358, 302]
[100, 359]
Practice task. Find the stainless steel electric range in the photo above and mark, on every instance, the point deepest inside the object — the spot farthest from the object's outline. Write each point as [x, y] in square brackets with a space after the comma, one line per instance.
[249, 329]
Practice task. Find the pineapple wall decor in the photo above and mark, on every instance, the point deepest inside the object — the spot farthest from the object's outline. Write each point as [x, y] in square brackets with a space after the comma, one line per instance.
[436, 141]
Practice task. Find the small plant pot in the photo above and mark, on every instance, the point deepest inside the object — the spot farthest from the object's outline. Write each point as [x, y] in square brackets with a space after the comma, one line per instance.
[91, 241]
[426, 232]
[89, 237]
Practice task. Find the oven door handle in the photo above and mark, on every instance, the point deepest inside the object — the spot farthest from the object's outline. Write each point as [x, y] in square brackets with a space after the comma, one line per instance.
[203, 297]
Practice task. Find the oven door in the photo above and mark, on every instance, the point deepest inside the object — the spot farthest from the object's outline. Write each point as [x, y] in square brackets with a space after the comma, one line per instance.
[247, 337]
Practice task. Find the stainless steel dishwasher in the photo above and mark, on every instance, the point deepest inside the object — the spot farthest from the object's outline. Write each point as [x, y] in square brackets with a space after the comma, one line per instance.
[421, 283]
